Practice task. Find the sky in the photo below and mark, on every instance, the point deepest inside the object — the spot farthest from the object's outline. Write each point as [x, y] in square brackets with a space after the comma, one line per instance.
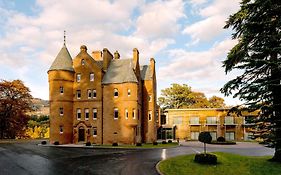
[186, 38]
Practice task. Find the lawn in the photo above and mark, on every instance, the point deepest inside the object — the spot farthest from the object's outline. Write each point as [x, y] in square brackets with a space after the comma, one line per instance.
[148, 145]
[229, 164]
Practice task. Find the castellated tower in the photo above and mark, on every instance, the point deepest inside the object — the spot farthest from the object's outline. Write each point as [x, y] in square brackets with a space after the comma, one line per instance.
[61, 77]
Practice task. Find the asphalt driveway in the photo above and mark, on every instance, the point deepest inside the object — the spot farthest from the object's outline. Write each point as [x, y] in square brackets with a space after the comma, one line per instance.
[29, 158]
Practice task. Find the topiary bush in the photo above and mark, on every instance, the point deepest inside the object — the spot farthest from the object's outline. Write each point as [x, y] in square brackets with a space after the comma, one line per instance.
[114, 144]
[88, 144]
[206, 159]
[155, 143]
[43, 142]
[223, 143]
[170, 141]
[138, 144]
[221, 139]
[164, 142]
[205, 137]
[56, 143]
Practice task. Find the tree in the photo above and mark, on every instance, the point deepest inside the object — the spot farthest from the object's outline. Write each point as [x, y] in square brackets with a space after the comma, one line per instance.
[181, 96]
[15, 101]
[199, 100]
[258, 54]
[205, 137]
[216, 102]
[176, 96]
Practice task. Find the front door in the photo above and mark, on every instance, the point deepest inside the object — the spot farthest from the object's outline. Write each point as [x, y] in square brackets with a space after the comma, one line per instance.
[81, 135]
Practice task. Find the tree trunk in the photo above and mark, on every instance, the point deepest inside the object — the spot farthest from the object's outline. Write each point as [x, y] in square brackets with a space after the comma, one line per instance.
[277, 136]
[204, 148]
[276, 107]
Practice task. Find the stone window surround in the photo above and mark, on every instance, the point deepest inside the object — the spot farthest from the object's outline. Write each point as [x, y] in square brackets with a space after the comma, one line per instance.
[94, 93]
[87, 113]
[61, 90]
[95, 131]
[89, 93]
[83, 62]
[92, 76]
[78, 77]
[61, 111]
[134, 114]
[95, 113]
[116, 94]
[149, 115]
[116, 115]
[126, 114]
[61, 129]
[78, 114]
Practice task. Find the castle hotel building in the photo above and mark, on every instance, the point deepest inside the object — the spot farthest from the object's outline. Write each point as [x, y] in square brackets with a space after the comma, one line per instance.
[102, 99]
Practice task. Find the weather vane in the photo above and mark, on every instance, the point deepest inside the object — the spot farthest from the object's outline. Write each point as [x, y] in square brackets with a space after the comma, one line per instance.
[64, 37]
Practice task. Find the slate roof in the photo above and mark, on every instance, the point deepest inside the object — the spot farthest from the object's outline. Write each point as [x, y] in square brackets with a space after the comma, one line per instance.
[145, 72]
[120, 71]
[63, 61]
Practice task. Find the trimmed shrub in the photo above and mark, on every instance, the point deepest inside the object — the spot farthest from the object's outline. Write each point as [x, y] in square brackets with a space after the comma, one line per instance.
[164, 142]
[44, 142]
[138, 144]
[56, 143]
[114, 144]
[221, 139]
[170, 141]
[223, 143]
[205, 137]
[155, 143]
[88, 144]
[206, 158]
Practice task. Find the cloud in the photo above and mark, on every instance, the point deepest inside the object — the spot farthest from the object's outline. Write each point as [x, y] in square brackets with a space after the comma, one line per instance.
[197, 2]
[159, 19]
[214, 17]
[198, 66]
[205, 29]
[29, 40]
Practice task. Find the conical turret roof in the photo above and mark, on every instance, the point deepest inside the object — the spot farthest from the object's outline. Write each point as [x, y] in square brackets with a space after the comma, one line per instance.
[63, 61]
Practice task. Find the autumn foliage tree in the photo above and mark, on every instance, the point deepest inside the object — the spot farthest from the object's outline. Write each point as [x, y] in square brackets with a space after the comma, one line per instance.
[181, 96]
[15, 100]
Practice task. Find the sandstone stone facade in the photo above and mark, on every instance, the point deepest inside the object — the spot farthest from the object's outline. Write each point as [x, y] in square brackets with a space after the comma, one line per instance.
[186, 124]
[101, 98]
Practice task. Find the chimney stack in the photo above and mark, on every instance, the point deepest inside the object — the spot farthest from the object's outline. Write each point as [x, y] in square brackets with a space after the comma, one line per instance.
[135, 57]
[107, 57]
[116, 55]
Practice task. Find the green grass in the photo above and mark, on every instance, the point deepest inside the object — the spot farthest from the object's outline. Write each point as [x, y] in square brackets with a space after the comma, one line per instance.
[148, 145]
[229, 164]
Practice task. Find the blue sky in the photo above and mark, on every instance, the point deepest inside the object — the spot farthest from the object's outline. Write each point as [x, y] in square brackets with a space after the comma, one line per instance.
[186, 38]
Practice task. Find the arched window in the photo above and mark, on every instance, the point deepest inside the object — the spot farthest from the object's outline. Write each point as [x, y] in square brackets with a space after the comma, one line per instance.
[82, 62]
[129, 92]
[115, 93]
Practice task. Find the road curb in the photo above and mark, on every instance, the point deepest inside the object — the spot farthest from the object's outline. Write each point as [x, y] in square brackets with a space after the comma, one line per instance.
[101, 147]
[158, 169]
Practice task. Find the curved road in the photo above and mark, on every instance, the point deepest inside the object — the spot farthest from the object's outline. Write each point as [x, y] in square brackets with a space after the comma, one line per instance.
[29, 158]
